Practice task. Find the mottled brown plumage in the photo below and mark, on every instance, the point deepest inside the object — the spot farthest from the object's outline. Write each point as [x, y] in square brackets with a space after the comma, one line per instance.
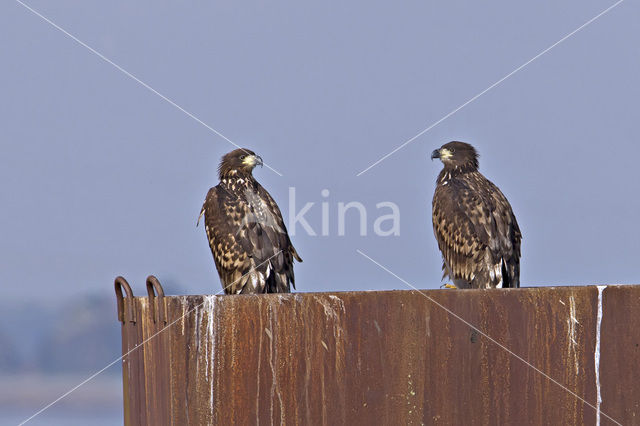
[248, 238]
[474, 224]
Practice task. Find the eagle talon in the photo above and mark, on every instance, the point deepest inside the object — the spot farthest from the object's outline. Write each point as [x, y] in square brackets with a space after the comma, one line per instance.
[448, 286]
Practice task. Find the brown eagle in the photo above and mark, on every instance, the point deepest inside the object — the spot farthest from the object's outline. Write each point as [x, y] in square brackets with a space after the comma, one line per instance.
[248, 239]
[476, 229]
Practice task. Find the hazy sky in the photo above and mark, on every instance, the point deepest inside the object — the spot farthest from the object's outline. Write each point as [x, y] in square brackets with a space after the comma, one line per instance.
[101, 177]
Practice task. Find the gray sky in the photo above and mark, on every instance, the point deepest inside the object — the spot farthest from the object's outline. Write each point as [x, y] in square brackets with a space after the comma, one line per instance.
[101, 177]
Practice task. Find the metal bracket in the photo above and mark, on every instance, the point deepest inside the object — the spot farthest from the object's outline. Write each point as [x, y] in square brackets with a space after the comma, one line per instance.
[119, 284]
[156, 303]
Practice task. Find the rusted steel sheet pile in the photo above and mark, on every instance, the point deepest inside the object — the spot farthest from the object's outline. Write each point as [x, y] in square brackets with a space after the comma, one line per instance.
[392, 357]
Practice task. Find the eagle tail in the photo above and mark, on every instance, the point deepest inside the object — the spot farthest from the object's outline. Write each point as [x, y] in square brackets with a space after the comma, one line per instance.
[511, 273]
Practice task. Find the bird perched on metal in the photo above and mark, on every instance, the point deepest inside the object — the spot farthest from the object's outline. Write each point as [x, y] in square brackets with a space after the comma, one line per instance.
[474, 224]
[248, 238]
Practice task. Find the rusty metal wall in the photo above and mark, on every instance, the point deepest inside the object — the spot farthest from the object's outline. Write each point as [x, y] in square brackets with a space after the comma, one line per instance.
[390, 358]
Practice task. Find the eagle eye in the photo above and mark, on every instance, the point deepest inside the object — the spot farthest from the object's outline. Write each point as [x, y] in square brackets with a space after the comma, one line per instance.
[242, 157]
[452, 150]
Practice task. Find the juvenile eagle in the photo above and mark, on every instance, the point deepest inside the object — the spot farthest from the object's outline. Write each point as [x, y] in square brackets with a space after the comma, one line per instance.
[476, 229]
[248, 239]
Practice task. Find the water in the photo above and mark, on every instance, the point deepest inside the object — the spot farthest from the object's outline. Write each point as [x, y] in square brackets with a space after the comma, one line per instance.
[96, 403]
[61, 418]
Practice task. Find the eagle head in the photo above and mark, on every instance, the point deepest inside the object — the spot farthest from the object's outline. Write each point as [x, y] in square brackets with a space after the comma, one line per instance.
[240, 161]
[457, 155]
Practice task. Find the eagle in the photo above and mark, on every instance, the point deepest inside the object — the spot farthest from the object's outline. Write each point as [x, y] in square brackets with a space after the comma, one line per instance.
[474, 224]
[248, 238]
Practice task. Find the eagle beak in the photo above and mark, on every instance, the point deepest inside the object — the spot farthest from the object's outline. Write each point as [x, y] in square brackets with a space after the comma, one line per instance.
[435, 154]
[252, 160]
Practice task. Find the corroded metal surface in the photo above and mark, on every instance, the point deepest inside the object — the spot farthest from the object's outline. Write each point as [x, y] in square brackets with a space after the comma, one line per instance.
[390, 357]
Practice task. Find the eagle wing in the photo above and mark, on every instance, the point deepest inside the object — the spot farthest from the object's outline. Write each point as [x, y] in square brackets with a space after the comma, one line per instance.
[275, 237]
[248, 240]
[477, 233]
